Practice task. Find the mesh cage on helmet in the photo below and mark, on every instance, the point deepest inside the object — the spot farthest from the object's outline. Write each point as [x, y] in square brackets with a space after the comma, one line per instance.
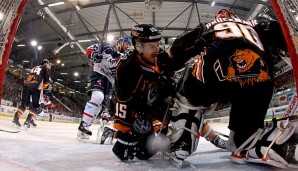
[145, 33]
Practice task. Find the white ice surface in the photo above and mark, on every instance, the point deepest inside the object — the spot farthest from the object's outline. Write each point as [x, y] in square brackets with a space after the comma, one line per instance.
[53, 146]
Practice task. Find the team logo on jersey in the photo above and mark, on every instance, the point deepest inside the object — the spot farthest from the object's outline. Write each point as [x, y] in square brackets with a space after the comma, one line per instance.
[152, 96]
[246, 67]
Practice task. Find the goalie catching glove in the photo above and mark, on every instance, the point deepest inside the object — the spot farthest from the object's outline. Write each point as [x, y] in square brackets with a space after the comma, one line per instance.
[125, 147]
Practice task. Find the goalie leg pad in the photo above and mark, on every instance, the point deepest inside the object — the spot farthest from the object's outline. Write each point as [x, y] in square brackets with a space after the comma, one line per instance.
[185, 126]
[276, 146]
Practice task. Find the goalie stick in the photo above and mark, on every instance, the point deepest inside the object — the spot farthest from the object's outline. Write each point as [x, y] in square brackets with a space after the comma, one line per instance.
[3, 130]
[61, 103]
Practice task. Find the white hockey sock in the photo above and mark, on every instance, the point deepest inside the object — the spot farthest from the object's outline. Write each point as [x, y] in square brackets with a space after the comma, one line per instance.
[89, 112]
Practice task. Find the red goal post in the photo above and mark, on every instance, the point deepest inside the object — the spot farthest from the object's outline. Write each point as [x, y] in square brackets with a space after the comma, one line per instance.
[287, 14]
[10, 15]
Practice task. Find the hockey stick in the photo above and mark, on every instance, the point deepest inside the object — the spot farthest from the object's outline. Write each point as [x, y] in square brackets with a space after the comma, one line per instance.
[9, 131]
[187, 69]
[61, 103]
[224, 135]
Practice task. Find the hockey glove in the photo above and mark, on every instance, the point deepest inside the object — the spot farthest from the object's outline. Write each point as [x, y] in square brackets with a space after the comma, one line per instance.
[156, 125]
[49, 87]
[125, 147]
[167, 82]
[96, 57]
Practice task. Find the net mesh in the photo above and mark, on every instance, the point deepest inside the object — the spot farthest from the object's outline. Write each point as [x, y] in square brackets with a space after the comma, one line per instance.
[8, 11]
[10, 15]
[289, 10]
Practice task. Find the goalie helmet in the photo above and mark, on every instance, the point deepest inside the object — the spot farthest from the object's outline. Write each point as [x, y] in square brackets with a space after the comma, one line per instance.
[224, 13]
[44, 61]
[145, 33]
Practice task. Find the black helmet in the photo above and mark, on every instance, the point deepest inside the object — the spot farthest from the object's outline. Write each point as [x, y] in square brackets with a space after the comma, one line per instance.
[145, 33]
[44, 61]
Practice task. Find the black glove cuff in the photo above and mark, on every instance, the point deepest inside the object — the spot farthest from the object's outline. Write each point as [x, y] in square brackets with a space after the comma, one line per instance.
[126, 139]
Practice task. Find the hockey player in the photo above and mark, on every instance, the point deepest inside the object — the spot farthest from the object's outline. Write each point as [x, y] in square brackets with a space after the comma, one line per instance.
[143, 85]
[123, 44]
[44, 104]
[233, 65]
[38, 79]
[103, 56]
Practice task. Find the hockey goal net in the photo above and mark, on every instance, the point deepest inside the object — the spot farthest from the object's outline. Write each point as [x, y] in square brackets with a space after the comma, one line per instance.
[287, 14]
[10, 14]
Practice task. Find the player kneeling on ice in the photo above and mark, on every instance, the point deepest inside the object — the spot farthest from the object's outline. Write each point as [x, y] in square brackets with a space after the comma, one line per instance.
[234, 65]
[104, 57]
[143, 89]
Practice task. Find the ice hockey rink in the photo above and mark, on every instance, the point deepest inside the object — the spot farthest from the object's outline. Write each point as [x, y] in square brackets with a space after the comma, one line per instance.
[53, 146]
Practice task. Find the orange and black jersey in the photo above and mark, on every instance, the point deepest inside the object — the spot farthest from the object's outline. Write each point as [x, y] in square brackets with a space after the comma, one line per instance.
[221, 41]
[137, 91]
[38, 77]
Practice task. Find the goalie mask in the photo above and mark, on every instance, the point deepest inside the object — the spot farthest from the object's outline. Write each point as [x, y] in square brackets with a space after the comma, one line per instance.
[46, 63]
[224, 13]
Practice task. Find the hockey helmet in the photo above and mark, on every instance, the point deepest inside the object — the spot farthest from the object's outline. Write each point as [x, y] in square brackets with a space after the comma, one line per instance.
[145, 33]
[44, 61]
[224, 13]
[124, 39]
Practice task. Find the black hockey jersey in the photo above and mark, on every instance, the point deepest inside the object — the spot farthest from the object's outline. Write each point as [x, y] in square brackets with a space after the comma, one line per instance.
[138, 91]
[38, 78]
[234, 49]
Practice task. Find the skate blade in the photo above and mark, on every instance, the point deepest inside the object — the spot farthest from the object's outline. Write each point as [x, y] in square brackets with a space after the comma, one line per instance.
[15, 126]
[178, 163]
[25, 127]
[82, 137]
[33, 126]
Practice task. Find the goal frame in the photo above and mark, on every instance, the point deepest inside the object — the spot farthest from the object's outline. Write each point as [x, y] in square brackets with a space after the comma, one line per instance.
[8, 44]
[288, 38]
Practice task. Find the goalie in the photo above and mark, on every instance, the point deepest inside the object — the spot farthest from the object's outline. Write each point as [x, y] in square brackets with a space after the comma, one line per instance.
[234, 65]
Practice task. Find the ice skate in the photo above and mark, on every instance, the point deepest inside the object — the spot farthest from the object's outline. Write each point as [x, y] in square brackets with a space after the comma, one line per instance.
[107, 136]
[32, 122]
[16, 120]
[177, 162]
[84, 133]
[27, 122]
